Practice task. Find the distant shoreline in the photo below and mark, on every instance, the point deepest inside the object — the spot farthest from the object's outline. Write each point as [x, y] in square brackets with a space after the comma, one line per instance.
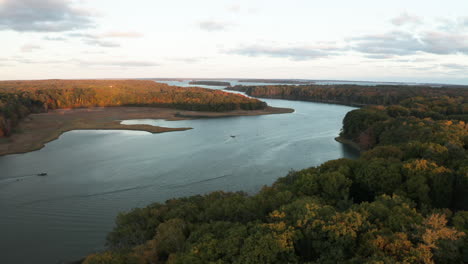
[38, 129]
[212, 83]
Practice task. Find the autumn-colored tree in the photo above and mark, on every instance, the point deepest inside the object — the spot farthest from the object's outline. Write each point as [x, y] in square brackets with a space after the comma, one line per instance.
[403, 201]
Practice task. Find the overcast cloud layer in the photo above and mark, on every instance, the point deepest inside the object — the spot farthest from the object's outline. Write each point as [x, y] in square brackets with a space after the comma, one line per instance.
[418, 40]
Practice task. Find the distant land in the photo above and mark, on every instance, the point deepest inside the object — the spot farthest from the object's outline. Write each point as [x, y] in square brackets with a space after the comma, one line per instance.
[212, 83]
[308, 81]
[285, 81]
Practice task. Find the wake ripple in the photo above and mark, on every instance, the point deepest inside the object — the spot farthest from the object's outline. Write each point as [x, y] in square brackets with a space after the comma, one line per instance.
[171, 186]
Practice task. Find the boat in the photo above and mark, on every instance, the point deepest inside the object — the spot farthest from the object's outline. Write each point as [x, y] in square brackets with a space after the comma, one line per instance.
[233, 136]
[42, 174]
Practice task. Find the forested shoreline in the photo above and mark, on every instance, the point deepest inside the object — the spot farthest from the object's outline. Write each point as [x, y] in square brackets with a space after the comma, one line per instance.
[347, 94]
[212, 83]
[405, 200]
[20, 98]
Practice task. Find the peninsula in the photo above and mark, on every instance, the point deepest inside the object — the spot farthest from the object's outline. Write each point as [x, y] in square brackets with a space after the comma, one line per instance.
[33, 113]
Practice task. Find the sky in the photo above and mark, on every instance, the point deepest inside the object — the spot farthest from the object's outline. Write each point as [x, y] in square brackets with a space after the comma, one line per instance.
[410, 41]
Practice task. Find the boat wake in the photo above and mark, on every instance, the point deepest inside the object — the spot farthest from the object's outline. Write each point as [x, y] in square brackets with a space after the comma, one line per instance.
[11, 180]
[172, 186]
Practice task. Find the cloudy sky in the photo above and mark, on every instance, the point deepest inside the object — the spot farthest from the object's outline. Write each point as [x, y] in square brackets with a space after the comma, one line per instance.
[399, 40]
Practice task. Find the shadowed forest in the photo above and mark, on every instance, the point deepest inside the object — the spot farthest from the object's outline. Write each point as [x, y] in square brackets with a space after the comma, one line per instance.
[20, 98]
[405, 200]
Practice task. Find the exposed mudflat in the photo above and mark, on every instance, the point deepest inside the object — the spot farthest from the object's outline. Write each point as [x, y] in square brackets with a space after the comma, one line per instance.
[38, 129]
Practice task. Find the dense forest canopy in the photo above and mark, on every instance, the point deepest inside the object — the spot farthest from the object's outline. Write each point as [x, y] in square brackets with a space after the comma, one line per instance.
[405, 200]
[20, 98]
[356, 95]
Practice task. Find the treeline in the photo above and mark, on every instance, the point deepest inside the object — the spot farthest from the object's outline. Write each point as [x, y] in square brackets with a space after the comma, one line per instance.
[405, 200]
[285, 81]
[14, 107]
[19, 98]
[440, 120]
[213, 83]
[354, 95]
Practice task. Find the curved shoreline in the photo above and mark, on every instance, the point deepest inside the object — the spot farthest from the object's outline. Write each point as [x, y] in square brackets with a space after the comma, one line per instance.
[348, 142]
[39, 129]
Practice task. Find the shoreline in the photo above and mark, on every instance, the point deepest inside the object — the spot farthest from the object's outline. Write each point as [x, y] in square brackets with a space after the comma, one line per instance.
[348, 142]
[269, 110]
[295, 98]
[36, 130]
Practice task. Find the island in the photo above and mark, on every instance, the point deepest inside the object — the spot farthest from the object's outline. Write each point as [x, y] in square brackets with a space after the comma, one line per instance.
[210, 83]
[33, 113]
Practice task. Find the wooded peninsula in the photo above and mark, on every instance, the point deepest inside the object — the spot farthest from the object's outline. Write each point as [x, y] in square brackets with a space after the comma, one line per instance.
[33, 113]
[353, 95]
[405, 200]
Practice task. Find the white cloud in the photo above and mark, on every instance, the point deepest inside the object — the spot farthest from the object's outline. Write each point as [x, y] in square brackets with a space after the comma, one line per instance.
[102, 39]
[373, 46]
[101, 43]
[292, 52]
[29, 48]
[405, 19]
[117, 63]
[234, 8]
[388, 44]
[456, 66]
[213, 25]
[399, 43]
[42, 16]
[121, 34]
[54, 38]
[84, 63]
[188, 59]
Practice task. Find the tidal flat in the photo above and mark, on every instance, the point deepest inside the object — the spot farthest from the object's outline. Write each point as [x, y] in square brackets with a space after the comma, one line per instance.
[38, 129]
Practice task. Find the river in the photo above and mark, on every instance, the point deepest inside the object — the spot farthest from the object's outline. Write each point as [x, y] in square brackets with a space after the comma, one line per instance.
[93, 175]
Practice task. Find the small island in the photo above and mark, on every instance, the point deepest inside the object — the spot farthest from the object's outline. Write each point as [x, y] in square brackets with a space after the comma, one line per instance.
[211, 83]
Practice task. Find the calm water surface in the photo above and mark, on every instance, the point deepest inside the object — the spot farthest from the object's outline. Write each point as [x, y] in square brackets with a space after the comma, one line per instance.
[93, 175]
